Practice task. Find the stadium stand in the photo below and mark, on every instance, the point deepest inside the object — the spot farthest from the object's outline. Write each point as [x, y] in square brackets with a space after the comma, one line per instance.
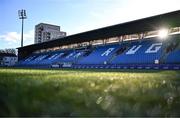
[142, 53]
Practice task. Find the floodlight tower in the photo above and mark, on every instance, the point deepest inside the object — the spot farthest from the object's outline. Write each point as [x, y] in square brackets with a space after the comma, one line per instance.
[22, 15]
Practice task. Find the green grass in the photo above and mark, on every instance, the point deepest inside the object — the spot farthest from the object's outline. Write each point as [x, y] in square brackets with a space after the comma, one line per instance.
[33, 92]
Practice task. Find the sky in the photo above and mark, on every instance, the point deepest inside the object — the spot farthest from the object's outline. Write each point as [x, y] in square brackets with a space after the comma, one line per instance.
[74, 16]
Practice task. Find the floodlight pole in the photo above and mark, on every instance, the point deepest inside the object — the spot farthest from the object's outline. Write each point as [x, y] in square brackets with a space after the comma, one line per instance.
[22, 15]
[22, 32]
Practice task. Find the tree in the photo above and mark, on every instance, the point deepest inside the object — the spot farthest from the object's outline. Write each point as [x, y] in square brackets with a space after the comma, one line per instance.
[11, 51]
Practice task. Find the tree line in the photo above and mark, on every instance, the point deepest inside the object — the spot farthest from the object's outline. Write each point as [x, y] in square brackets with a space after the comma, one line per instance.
[10, 51]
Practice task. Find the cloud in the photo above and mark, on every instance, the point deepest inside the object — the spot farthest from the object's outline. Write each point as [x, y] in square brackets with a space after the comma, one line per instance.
[116, 13]
[10, 37]
[15, 37]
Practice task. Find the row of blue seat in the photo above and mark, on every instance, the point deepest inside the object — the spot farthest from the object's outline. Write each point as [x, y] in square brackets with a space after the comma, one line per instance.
[100, 55]
[144, 54]
[174, 57]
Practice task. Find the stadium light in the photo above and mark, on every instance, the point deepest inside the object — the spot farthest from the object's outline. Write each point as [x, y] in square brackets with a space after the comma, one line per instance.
[22, 15]
[163, 33]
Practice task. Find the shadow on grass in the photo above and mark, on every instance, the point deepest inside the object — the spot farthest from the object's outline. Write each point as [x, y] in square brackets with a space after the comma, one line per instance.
[99, 70]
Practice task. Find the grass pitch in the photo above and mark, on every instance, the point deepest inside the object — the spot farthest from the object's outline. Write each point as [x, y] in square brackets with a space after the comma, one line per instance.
[33, 92]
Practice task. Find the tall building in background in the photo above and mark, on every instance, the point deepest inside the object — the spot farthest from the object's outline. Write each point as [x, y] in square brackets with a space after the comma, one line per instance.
[46, 32]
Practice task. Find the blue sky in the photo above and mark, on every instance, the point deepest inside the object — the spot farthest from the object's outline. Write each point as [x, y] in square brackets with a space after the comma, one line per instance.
[73, 16]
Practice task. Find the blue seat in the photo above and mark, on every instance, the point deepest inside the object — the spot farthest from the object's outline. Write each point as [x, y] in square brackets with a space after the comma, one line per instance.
[173, 57]
[100, 55]
[145, 52]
